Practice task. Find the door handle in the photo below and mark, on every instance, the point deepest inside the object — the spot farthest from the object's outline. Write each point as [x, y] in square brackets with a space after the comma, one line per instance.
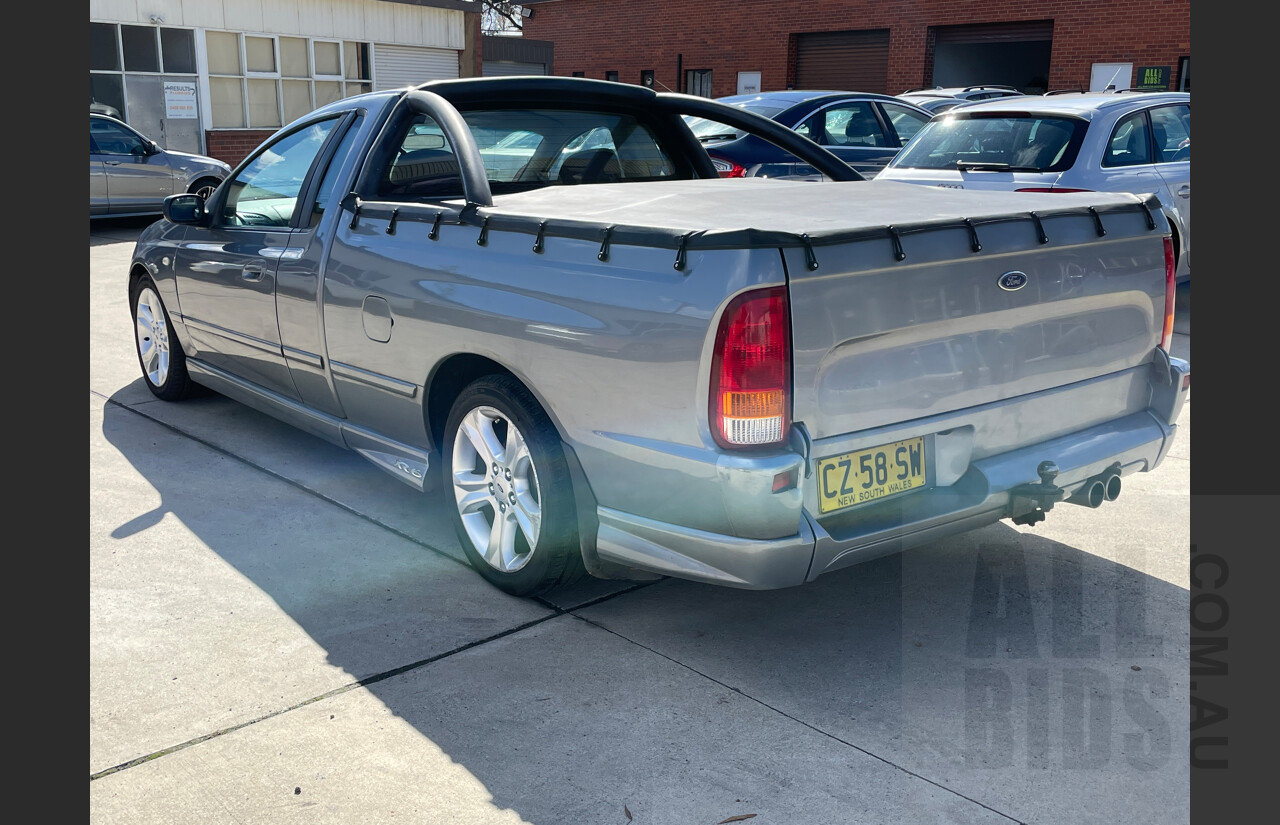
[253, 272]
[112, 162]
[1184, 192]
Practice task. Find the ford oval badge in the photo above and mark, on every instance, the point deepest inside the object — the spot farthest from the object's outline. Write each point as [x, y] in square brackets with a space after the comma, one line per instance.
[1011, 281]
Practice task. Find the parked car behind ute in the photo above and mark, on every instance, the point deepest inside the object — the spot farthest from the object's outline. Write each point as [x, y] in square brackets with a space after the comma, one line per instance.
[634, 368]
[864, 130]
[129, 174]
[1136, 142]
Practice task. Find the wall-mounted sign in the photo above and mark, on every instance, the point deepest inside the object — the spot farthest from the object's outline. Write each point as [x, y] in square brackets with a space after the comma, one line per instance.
[1151, 77]
[748, 83]
[179, 99]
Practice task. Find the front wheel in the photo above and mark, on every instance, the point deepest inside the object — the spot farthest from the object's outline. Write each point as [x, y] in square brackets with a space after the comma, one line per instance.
[514, 509]
[204, 187]
[164, 364]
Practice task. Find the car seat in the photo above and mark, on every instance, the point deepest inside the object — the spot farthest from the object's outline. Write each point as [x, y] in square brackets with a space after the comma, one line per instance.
[1162, 140]
[863, 129]
[591, 166]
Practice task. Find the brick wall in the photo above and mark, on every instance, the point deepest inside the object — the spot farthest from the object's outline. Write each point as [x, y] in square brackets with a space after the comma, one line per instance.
[728, 36]
[232, 145]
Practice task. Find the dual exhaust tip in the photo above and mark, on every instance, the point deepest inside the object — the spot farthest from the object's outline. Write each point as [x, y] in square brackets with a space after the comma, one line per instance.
[1103, 487]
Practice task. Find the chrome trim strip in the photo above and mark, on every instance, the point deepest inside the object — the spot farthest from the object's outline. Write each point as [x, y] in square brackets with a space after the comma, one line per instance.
[239, 337]
[303, 357]
[373, 379]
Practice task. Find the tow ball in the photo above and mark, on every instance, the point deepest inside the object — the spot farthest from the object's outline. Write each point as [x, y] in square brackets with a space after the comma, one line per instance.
[1029, 502]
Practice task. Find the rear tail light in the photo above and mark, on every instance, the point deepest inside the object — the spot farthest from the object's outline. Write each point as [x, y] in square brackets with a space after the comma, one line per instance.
[750, 403]
[727, 168]
[1170, 288]
[1050, 189]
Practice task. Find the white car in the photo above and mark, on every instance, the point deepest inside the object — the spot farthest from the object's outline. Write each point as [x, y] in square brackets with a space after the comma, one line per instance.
[1136, 142]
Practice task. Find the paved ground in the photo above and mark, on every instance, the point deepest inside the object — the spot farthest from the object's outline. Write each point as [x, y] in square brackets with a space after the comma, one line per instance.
[279, 633]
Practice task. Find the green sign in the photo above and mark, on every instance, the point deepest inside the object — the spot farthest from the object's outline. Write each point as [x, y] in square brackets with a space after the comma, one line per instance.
[1152, 77]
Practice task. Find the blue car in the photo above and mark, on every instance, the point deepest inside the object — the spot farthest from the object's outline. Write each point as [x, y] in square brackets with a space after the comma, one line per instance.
[864, 130]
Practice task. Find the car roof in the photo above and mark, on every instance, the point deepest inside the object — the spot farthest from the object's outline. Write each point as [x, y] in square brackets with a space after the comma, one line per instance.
[1076, 103]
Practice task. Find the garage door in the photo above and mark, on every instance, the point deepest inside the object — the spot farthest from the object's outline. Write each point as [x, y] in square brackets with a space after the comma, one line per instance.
[855, 61]
[995, 32]
[395, 67]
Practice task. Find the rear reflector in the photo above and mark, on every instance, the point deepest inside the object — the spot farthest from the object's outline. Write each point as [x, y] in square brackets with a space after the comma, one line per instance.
[1170, 288]
[750, 392]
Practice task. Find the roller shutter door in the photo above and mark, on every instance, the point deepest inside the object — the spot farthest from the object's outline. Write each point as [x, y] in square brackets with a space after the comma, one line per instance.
[855, 61]
[395, 67]
[995, 32]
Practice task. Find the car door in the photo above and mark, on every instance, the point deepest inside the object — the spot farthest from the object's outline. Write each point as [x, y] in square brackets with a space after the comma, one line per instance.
[853, 132]
[98, 203]
[1128, 163]
[137, 178]
[226, 271]
[1171, 129]
[903, 120]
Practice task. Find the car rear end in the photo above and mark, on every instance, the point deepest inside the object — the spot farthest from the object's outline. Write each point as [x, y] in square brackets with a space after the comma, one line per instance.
[997, 149]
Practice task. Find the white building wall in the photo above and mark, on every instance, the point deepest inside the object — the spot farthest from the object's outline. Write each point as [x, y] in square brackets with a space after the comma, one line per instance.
[367, 20]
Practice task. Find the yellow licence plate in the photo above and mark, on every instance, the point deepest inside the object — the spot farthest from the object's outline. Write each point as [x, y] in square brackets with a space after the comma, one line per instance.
[869, 475]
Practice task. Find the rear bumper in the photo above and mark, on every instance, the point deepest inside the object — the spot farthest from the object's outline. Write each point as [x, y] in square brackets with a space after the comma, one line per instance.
[980, 495]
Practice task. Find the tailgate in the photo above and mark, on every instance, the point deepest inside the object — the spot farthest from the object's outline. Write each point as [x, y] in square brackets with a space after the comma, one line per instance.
[878, 340]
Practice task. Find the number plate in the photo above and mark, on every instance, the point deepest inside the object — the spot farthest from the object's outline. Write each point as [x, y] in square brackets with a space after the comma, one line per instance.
[870, 475]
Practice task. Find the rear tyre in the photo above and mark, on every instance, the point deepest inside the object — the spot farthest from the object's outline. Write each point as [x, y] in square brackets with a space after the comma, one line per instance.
[514, 510]
[204, 187]
[164, 364]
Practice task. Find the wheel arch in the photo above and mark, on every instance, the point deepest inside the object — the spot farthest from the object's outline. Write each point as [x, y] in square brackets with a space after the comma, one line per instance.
[452, 374]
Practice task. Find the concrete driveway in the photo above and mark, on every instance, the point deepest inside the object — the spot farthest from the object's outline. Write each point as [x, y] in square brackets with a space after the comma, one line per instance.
[281, 633]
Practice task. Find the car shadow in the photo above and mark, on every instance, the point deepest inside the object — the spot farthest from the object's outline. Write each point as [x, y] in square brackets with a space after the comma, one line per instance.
[1042, 681]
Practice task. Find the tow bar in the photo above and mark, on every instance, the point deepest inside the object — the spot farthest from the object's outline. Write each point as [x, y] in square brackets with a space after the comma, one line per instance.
[1029, 502]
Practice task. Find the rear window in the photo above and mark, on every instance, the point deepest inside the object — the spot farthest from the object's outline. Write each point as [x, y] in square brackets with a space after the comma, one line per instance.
[1020, 142]
[526, 148]
[709, 131]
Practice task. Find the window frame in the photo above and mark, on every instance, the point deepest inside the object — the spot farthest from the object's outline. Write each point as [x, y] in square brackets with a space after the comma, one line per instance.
[306, 190]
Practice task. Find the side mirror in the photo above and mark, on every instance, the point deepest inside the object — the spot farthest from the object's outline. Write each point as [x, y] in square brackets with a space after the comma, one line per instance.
[185, 208]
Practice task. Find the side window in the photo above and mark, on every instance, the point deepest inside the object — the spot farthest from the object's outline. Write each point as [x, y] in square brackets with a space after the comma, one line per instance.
[422, 166]
[851, 124]
[113, 139]
[905, 122]
[1130, 143]
[327, 192]
[266, 192]
[1171, 128]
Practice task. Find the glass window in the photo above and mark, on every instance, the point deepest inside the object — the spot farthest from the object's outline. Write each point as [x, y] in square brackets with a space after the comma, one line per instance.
[328, 58]
[905, 121]
[846, 124]
[224, 52]
[227, 101]
[698, 82]
[1171, 128]
[264, 104]
[260, 54]
[108, 138]
[266, 191]
[356, 56]
[103, 51]
[140, 51]
[106, 91]
[358, 88]
[296, 98]
[178, 46]
[611, 76]
[1130, 143]
[327, 91]
[424, 165]
[1044, 144]
[293, 57]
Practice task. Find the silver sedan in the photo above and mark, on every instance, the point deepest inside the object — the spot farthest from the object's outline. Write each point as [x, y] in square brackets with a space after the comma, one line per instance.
[130, 174]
